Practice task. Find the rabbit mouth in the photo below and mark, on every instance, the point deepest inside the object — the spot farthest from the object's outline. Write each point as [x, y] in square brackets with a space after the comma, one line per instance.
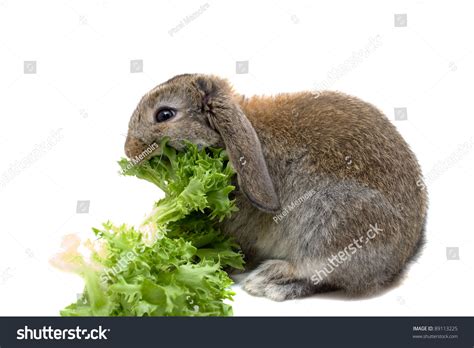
[144, 154]
[156, 151]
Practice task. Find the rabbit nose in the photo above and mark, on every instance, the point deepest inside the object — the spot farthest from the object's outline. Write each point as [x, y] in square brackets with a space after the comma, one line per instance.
[134, 147]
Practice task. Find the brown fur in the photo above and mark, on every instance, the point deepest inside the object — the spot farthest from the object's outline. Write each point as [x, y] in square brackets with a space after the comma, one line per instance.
[344, 150]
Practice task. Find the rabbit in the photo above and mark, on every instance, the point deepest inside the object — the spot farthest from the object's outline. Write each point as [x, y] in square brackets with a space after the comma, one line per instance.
[330, 196]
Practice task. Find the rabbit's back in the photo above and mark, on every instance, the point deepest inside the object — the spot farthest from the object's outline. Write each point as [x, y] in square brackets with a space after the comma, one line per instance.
[337, 136]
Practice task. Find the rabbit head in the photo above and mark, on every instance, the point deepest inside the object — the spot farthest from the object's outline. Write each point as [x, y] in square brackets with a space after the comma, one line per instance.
[203, 110]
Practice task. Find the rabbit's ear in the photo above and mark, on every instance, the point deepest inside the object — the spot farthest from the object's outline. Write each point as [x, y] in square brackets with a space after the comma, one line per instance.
[242, 144]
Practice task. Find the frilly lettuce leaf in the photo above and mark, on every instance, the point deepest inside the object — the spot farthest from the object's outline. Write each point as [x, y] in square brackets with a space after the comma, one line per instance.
[173, 263]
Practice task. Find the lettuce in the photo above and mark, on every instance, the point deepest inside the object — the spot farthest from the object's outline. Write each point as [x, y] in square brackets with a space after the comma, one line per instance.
[173, 264]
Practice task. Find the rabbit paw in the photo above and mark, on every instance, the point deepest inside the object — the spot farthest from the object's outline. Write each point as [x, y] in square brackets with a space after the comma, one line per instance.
[275, 279]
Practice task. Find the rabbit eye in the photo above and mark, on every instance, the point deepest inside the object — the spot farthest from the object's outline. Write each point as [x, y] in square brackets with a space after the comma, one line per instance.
[164, 114]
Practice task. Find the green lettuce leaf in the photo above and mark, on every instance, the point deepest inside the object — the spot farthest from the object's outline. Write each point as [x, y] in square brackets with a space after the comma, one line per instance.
[173, 264]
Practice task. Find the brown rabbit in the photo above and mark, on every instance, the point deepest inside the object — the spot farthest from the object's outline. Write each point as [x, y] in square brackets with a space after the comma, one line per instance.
[330, 195]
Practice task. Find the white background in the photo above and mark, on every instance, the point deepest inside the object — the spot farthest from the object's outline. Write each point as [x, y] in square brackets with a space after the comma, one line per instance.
[83, 91]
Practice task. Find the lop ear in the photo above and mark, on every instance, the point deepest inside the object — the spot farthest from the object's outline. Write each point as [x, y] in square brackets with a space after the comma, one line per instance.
[241, 142]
